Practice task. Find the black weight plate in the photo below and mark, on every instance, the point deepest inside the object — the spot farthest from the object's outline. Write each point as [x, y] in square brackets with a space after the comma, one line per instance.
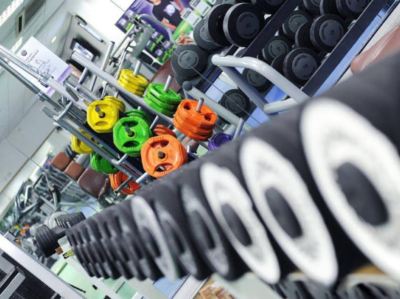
[326, 31]
[300, 64]
[202, 37]
[351, 8]
[256, 80]
[215, 21]
[189, 61]
[47, 240]
[277, 63]
[173, 220]
[294, 21]
[302, 37]
[237, 102]
[276, 46]
[312, 6]
[211, 242]
[268, 6]
[328, 7]
[242, 23]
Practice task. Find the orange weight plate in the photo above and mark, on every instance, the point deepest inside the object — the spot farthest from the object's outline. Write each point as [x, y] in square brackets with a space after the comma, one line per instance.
[192, 132]
[119, 178]
[162, 130]
[162, 155]
[205, 118]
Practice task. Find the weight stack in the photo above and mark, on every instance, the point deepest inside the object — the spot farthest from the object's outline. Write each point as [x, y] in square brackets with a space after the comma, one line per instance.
[207, 234]
[351, 141]
[224, 188]
[174, 223]
[151, 233]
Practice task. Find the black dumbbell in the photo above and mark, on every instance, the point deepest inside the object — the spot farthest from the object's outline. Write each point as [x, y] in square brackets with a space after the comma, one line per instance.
[293, 22]
[348, 9]
[202, 37]
[242, 23]
[237, 102]
[256, 80]
[188, 62]
[300, 64]
[322, 35]
[346, 158]
[151, 233]
[228, 197]
[268, 6]
[277, 46]
[47, 239]
[211, 242]
[174, 223]
[215, 22]
[312, 6]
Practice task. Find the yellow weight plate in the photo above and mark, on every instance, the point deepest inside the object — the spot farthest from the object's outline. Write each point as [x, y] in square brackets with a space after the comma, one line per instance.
[120, 105]
[130, 77]
[80, 147]
[102, 115]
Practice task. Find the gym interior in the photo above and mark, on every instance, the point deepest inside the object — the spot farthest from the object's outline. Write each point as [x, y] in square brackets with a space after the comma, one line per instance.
[200, 149]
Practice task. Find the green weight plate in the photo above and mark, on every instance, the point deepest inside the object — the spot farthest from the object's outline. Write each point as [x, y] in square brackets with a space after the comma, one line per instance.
[158, 108]
[139, 113]
[99, 164]
[152, 98]
[169, 96]
[130, 133]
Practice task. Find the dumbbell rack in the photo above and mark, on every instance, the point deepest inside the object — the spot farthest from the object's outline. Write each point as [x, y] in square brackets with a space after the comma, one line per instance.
[339, 59]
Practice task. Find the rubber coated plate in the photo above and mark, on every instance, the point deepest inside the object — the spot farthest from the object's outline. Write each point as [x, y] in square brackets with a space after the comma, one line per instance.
[237, 102]
[188, 61]
[277, 63]
[351, 8]
[302, 37]
[326, 31]
[242, 23]
[268, 6]
[294, 21]
[312, 6]
[256, 80]
[215, 21]
[328, 7]
[202, 37]
[277, 46]
[300, 64]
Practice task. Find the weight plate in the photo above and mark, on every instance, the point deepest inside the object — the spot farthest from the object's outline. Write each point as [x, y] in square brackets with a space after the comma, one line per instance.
[217, 140]
[300, 64]
[268, 6]
[326, 31]
[351, 8]
[277, 46]
[242, 23]
[165, 106]
[215, 21]
[202, 37]
[277, 63]
[302, 37]
[256, 80]
[237, 102]
[294, 21]
[328, 7]
[312, 6]
[189, 61]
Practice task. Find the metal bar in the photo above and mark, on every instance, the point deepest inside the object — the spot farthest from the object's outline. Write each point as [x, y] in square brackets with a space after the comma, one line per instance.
[253, 95]
[217, 108]
[103, 64]
[131, 98]
[263, 69]
[38, 270]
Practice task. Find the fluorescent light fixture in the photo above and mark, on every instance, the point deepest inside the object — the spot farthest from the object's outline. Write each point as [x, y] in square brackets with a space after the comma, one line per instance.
[12, 8]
